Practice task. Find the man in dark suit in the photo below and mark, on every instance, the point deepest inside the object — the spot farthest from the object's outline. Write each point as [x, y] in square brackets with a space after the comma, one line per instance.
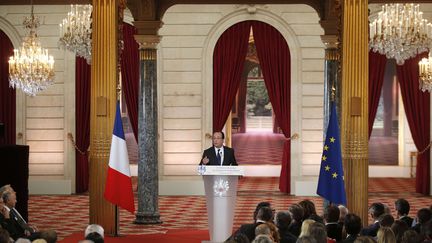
[283, 220]
[218, 154]
[402, 208]
[375, 210]
[331, 218]
[353, 226]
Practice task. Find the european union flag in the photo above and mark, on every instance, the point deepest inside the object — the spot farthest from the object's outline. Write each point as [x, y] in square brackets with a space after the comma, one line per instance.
[331, 179]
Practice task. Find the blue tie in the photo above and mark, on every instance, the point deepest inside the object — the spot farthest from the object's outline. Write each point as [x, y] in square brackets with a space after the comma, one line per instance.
[218, 157]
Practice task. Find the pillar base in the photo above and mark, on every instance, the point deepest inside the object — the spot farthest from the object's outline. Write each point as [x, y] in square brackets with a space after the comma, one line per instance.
[142, 218]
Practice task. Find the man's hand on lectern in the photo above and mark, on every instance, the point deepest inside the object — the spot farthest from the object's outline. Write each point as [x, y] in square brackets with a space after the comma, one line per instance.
[205, 160]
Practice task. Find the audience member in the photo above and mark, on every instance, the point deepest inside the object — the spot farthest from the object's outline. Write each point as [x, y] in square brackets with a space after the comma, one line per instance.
[49, 235]
[353, 226]
[263, 229]
[39, 241]
[399, 227]
[18, 227]
[94, 228]
[375, 211]
[4, 236]
[265, 214]
[95, 237]
[318, 232]
[411, 236]
[386, 220]
[309, 211]
[305, 227]
[402, 207]
[262, 239]
[238, 238]
[283, 220]
[306, 239]
[343, 211]
[364, 239]
[331, 219]
[426, 231]
[423, 215]
[296, 212]
[385, 235]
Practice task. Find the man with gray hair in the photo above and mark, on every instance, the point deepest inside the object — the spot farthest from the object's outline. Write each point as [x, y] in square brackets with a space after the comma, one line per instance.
[94, 228]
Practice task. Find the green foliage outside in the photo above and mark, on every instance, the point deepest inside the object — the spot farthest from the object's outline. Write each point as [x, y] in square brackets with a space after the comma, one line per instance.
[258, 101]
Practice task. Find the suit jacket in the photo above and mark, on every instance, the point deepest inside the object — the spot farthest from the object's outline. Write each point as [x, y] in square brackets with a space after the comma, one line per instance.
[349, 239]
[407, 220]
[371, 230]
[229, 158]
[334, 231]
[248, 230]
[286, 236]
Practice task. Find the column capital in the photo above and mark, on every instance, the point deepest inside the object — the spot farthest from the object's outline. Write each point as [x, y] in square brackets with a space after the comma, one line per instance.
[330, 41]
[148, 27]
[147, 41]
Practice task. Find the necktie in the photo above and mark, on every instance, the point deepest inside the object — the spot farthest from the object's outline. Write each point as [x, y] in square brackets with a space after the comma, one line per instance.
[218, 156]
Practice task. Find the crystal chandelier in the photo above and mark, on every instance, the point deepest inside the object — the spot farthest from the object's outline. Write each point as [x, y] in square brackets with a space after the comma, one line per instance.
[425, 76]
[31, 69]
[400, 32]
[75, 31]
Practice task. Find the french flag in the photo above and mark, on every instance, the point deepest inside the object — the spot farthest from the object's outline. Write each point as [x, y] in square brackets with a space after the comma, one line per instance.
[118, 186]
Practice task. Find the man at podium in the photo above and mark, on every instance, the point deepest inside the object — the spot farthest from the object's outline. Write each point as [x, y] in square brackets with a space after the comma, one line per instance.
[218, 154]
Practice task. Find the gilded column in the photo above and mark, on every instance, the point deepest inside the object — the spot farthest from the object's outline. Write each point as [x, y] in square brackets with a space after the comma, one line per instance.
[148, 184]
[354, 127]
[103, 102]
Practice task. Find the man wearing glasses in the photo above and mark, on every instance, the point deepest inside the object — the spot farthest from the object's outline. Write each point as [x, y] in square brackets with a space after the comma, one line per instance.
[218, 154]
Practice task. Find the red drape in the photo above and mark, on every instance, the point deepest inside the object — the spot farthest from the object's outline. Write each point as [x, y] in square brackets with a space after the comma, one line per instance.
[242, 103]
[82, 131]
[7, 95]
[130, 75]
[228, 62]
[377, 63]
[274, 56]
[417, 109]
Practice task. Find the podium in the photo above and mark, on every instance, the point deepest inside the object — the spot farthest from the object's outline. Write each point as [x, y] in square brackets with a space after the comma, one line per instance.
[220, 183]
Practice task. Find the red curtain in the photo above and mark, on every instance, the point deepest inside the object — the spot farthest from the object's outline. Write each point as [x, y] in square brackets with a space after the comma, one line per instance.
[274, 56]
[242, 102]
[82, 127]
[7, 95]
[417, 109]
[377, 64]
[228, 62]
[130, 75]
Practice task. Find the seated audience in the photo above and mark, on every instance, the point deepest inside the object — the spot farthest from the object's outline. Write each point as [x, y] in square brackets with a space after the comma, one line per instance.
[49, 235]
[402, 207]
[4, 236]
[95, 237]
[265, 214]
[238, 238]
[385, 235]
[296, 212]
[386, 220]
[399, 227]
[318, 232]
[331, 219]
[353, 226]
[411, 236]
[375, 211]
[94, 228]
[309, 211]
[343, 211]
[426, 231]
[365, 239]
[283, 220]
[262, 239]
[305, 227]
[306, 239]
[423, 215]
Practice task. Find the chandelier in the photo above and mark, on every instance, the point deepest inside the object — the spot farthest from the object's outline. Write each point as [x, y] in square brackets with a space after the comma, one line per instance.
[75, 31]
[31, 69]
[400, 32]
[425, 76]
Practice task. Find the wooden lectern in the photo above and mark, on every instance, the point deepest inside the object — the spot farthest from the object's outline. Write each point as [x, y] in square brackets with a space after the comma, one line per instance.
[220, 184]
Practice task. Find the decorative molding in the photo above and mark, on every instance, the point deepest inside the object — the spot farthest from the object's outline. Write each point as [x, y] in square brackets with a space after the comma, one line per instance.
[147, 41]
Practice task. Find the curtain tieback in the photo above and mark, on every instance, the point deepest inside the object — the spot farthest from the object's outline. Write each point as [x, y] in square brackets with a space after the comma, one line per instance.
[71, 138]
[294, 136]
[425, 149]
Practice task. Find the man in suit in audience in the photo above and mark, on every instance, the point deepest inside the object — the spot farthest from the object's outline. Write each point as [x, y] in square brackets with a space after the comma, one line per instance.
[331, 218]
[283, 220]
[375, 210]
[353, 226]
[402, 207]
[265, 214]
[18, 226]
[218, 154]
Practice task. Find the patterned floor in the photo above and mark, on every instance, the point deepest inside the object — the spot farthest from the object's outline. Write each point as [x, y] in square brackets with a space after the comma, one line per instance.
[69, 214]
[258, 148]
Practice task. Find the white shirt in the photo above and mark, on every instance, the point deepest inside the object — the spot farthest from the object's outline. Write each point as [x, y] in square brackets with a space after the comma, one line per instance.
[221, 153]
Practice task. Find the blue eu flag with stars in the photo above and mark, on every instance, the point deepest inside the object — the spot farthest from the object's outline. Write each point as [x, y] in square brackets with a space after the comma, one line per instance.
[331, 179]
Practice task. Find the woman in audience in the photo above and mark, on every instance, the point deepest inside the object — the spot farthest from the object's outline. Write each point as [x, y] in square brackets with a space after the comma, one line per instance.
[399, 227]
[305, 227]
[297, 213]
[309, 211]
[411, 236]
[364, 239]
[385, 235]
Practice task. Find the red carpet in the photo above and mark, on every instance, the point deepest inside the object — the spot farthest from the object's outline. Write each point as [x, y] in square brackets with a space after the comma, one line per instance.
[178, 236]
[258, 148]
